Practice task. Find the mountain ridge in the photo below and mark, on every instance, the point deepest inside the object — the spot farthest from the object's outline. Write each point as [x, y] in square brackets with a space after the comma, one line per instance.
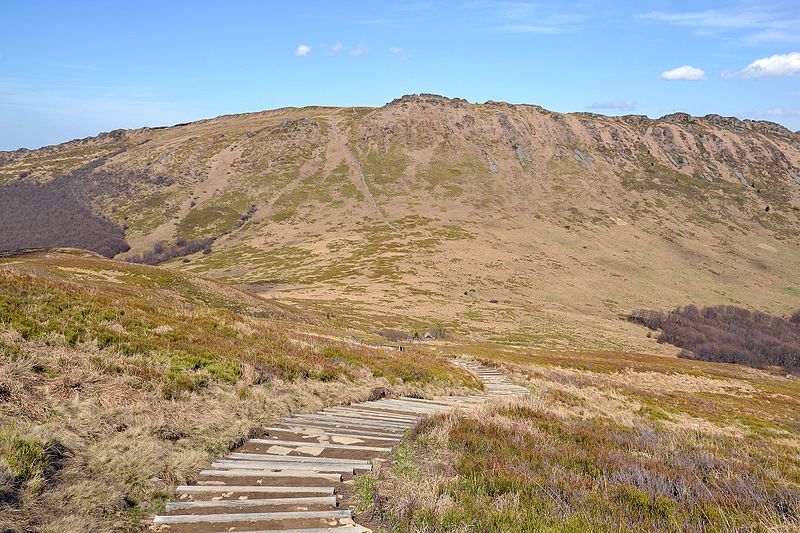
[766, 126]
[559, 218]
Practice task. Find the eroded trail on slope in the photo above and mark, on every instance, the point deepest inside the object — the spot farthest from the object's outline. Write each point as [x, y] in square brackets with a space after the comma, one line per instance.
[357, 165]
[293, 480]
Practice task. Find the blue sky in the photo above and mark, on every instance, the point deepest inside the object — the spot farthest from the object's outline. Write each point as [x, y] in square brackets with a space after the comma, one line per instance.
[73, 69]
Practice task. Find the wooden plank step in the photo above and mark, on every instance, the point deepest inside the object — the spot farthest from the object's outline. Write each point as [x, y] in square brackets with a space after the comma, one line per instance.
[292, 465]
[293, 458]
[432, 403]
[410, 403]
[356, 424]
[359, 413]
[271, 465]
[354, 420]
[250, 517]
[413, 407]
[204, 489]
[319, 445]
[370, 409]
[318, 500]
[311, 474]
[368, 417]
[333, 432]
[341, 529]
[335, 425]
[406, 408]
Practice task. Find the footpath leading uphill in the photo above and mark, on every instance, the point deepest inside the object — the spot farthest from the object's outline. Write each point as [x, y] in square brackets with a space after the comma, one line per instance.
[294, 479]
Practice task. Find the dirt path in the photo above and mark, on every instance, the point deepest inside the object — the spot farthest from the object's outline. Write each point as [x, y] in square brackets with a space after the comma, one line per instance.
[294, 479]
[357, 165]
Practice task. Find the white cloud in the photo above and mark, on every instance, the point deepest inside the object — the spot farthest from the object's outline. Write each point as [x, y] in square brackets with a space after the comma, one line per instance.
[396, 50]
[614, 105]
[686, 72]
[302, 50]
[334, 49]
[358, 51]
[777, 65]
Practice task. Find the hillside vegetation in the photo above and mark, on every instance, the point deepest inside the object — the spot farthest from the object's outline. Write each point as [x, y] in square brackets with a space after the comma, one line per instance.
[609, 442]
[510, 222]
[119, 381]
[514, 235]
[728, 334]
[43, 216]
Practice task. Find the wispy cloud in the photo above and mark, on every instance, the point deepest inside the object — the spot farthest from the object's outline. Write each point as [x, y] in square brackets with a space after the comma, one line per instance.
[614, 105]
[684, 73]
[359, 50]
[102, 105]
[334, 49]
[760, 25]
[777, 65]
[302, 50]
[534, 28]
[375, 22]
[413, 7]
[526, 17]
[396, 50]
[779, 112]
[505, 10]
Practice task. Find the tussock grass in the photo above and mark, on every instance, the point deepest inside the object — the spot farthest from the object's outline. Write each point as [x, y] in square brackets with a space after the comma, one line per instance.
[601, 451]
[119, 381]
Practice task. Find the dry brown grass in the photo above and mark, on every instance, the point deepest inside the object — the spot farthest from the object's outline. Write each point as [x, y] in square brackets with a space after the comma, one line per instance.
[605, 451]
[118, 382]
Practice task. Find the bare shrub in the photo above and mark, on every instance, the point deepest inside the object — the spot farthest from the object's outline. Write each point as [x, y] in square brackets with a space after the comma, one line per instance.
[728, 334]
[393, 335]
[162, 252]
[46, 216]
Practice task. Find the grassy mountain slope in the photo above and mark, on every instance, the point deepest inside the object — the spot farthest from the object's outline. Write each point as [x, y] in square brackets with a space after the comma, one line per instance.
[442, 206]
[524, 234]
[119, 381]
